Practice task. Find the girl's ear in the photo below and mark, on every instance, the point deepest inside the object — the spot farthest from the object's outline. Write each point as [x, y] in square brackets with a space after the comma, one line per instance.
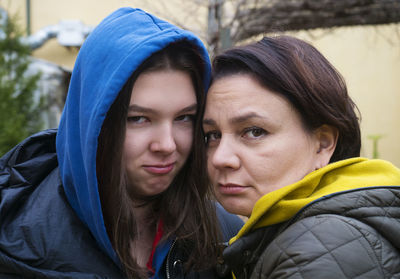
[327, 137]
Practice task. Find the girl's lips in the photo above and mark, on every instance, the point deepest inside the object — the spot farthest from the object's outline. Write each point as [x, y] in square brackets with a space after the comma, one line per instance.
[231, 189]
[159, 169]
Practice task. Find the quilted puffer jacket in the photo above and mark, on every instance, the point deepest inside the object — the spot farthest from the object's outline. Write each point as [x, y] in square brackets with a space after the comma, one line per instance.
[42, 237]
[354, 234]
[347, 234]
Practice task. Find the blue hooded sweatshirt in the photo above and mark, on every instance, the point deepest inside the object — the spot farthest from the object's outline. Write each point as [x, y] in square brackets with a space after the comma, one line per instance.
[109, 56]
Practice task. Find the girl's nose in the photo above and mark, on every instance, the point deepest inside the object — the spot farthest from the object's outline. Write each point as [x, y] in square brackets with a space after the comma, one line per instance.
[164, 140]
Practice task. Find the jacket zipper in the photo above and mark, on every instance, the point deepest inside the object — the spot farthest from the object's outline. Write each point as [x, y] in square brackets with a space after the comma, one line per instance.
[168, 259]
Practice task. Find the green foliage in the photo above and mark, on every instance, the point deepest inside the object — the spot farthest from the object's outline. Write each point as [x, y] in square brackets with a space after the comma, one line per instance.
[20, 107]
[375, 139]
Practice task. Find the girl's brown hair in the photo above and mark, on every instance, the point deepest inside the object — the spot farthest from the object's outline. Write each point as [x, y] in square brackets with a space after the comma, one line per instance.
[185, 207]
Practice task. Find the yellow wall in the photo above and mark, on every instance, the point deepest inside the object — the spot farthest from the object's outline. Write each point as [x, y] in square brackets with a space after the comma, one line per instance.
[90, 12]
[368, 57]
[50, 12]
[369, 60]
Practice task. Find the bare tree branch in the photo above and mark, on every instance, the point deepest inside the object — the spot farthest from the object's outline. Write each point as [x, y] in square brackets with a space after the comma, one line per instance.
[311, 14]
[184, 20]
[232, 21]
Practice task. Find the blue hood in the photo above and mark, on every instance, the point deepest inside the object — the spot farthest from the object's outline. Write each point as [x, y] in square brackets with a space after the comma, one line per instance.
[111, 53]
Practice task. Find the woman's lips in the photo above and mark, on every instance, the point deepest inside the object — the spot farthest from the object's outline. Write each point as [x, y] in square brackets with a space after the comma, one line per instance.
[159, 169]
[231, 189]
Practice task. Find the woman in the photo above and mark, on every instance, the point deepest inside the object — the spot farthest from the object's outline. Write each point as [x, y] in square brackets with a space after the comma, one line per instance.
[129, 196]
[283, 145]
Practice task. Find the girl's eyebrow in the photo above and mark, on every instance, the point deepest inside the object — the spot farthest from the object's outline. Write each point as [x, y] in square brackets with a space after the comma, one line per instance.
[191, 108]
[137, 108]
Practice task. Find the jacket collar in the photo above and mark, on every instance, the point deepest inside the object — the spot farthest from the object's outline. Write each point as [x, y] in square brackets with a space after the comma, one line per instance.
[281, 205]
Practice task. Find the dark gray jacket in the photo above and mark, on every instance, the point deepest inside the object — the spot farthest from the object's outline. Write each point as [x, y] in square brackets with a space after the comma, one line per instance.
[40, 234]
[352, 234]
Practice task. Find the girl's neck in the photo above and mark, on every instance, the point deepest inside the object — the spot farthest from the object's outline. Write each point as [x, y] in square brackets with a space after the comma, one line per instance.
[146, 225]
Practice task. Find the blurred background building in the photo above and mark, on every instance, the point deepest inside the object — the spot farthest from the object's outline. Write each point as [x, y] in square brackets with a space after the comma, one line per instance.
[368, 56]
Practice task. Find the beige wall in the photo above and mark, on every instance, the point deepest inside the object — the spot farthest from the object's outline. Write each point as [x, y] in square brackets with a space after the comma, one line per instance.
[51, 12]
[90, 12]
[368, 57]
[369, 60]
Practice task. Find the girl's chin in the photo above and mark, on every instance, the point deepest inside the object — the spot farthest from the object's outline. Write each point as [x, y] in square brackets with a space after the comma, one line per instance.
[147, 197]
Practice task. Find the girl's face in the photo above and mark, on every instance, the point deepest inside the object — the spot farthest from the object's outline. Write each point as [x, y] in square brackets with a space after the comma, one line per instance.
[159, 130]
[256, 142]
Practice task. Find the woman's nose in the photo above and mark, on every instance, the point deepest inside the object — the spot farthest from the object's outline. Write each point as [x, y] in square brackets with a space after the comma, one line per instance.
[164, 140]
[225, 155]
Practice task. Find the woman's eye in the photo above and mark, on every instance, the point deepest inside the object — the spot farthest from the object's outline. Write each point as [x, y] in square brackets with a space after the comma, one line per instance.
[185, 118]
[254, 132]
[137, 119]
[212, 136]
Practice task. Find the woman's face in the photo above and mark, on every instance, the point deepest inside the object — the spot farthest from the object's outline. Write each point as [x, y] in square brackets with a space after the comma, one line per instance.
[256, 142]
[159, 130]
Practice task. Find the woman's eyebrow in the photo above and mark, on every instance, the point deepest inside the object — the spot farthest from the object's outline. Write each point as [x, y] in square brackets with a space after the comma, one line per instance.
[209, 122]
[235, 119]
[245, 117]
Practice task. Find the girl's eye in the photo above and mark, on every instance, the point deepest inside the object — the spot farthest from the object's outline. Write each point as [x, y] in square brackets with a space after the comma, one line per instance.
[212, 136]
[137, 119]
[254, 132]
[185, 118]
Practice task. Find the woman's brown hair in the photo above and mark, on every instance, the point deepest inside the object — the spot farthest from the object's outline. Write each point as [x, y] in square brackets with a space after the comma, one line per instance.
[299, 72]
[185, 207]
